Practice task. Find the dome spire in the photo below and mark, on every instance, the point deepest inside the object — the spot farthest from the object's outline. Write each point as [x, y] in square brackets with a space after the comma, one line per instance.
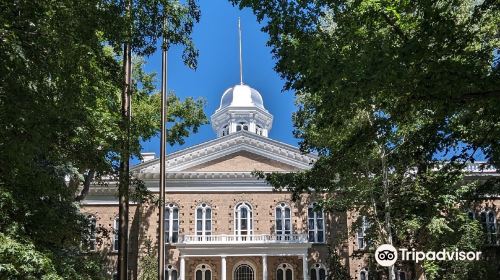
[241, 60]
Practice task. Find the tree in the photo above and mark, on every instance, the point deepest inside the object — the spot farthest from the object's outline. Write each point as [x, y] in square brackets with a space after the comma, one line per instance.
[336, 270]
[386, 91]
[60, 84]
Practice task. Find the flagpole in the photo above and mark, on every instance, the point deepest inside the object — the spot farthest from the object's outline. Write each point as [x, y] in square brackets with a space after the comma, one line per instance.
[241, 59]
[163, 138]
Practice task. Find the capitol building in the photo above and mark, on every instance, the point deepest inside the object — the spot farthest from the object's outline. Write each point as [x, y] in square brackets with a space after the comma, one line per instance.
[221, 222]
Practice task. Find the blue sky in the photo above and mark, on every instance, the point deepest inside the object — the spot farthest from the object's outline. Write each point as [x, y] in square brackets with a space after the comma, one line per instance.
[216, 37]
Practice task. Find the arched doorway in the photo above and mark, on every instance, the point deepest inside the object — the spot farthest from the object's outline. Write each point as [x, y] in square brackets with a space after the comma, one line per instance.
[244, 272]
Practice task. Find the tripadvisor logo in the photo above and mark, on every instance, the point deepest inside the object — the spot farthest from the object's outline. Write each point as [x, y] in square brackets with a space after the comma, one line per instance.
[387, 255]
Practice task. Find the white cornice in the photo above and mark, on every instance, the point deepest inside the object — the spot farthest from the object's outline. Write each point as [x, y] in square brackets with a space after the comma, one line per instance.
[240, 141]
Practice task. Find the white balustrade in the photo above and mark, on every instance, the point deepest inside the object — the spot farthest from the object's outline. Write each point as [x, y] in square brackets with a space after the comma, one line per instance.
[254, 238]
[479, 167]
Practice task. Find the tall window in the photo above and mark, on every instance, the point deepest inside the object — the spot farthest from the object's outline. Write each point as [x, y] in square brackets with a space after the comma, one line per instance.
[258, 129]
[244, 272]
[171, 223]
[116, 234]
[363, 274]
[243, 220]
[225, 130]
[283, 221]
[318, 272]
[203, 272]
[91, 242]
[316, 224]
[363, 227]
[284, 272]
[203, 220]
[171, 273]
[400, 276]
[488, 221]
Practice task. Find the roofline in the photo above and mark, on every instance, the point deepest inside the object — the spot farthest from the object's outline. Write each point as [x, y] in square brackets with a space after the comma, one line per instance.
[213, 141]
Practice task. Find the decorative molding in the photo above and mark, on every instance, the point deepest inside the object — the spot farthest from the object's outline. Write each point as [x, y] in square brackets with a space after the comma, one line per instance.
[239, 141]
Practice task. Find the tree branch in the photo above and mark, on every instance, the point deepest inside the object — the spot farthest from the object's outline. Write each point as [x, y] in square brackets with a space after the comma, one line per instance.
[86, 185]
[394, 26]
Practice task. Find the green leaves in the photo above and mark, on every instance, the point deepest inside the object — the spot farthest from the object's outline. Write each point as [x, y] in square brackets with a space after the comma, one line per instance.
[60, 84]
[385, 91]
[22, 261]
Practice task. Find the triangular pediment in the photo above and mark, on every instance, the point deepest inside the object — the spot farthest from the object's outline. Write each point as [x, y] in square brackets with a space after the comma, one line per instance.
[242, 161]
[238, 152]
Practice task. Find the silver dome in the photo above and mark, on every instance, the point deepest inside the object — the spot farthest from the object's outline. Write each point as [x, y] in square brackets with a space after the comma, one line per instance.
[241, 96]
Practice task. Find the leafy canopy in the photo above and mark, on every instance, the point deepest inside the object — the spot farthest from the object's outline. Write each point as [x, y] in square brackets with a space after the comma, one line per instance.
[60, 83]
[386, 91]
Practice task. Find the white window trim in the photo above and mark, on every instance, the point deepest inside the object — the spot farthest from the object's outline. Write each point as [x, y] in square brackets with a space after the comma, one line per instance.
[203, 219]
[488, 232]
[168, 275]
[254, 269]
[283, 219]
[200, 267]
[170, 218]
[364, 227]
[92, 241]
[237, 218]
[315, 218]
[288, 266]
[365, 271]
[317, 267]
[116, 235]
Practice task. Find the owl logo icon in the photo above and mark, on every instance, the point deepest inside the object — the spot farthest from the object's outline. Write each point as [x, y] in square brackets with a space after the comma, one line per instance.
[386, 255]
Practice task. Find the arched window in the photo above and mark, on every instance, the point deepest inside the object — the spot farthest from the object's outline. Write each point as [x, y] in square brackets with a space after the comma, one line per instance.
[283, 221]
[203, 272]
[243, 220]
[91, 241]
[488, 221]
[241, 126]
[258, 129]
[171, 273]
[203, 220]
[316, 223]
[116, 235]
[401, 275]
[225, 130]
[284, 272]
[363, 274]
[244, 272]
[171, 223]
[361, 234]
[318, 272]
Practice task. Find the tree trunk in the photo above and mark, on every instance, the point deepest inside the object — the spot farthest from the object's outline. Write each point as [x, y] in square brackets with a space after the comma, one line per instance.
[124, 171]
[387, 208]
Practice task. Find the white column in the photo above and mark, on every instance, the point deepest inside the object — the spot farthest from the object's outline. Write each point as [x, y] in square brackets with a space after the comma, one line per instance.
[223, 268]
[182, 268]
[304, 267]
[264, 267]
[252, 127]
